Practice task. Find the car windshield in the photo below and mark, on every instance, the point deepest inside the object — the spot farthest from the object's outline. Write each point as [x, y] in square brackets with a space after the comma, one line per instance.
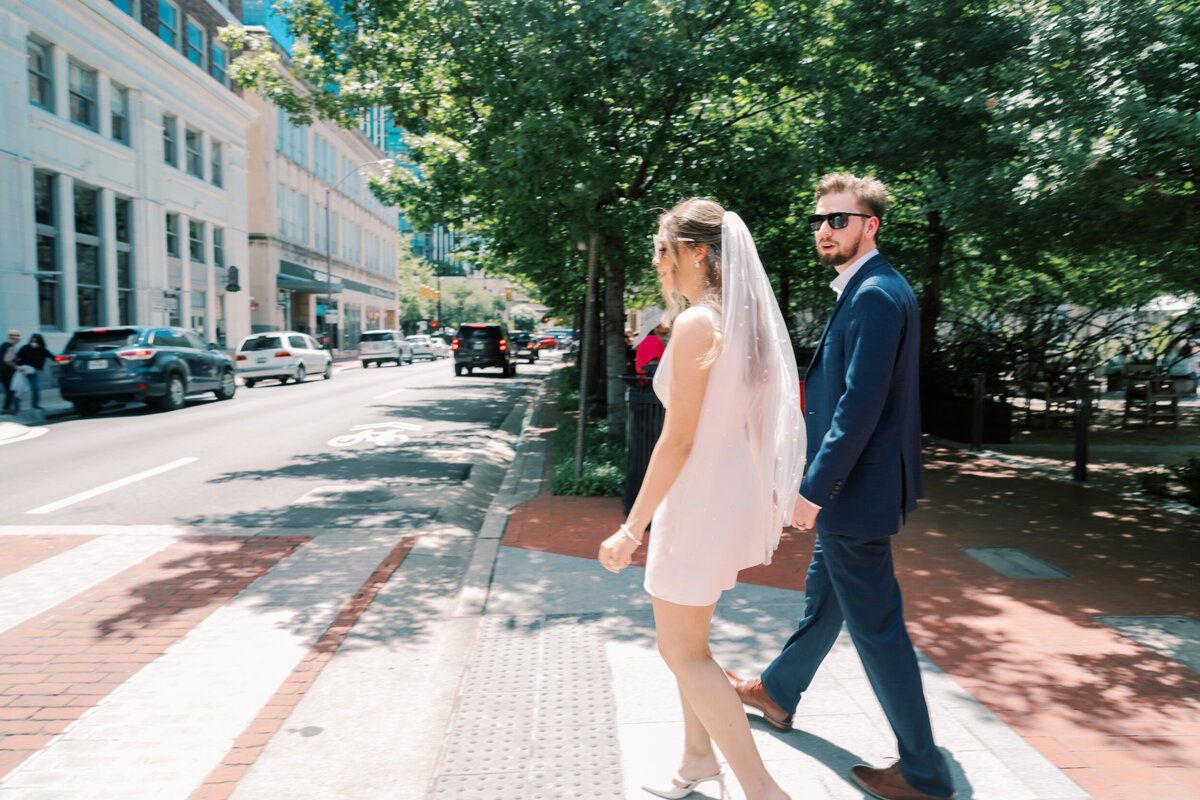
[376, 336]
[109, 339]
[419, 339]
[262, 343]
[479, 332]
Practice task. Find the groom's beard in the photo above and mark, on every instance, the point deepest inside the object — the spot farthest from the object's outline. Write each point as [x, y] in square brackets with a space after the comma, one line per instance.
[841, 255]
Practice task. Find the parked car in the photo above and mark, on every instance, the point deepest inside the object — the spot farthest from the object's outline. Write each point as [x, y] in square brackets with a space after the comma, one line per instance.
[524, 345]
[376, 347]
[482, 345]
[157, 366]
[441, 346]
[545, 342]
[425, 347]
[282, 355]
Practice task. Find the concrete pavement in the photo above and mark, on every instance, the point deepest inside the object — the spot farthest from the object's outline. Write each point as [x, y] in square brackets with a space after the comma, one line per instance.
[1055, 624]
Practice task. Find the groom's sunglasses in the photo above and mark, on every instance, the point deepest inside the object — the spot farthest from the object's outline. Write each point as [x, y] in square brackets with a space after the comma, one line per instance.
[837, 220]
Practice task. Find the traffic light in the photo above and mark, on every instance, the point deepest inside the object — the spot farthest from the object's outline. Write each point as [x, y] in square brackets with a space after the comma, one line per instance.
[508, 294]
[433, 323]
[545, 319]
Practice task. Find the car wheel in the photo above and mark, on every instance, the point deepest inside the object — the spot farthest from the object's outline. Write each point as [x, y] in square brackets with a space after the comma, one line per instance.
[87, 408]
[366, 365]
[457, 370]
[249, 382]
[173, 399]
[228, 386]
[469, 370]
[410, 359]
[328, 371]
[510, 371]
[300, 373]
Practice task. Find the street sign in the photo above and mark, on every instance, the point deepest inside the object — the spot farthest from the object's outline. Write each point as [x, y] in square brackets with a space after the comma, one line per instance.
[331, 315]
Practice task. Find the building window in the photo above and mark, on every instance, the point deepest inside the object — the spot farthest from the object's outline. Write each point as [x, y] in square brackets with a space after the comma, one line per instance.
[218, 65]
[83, 95]
[196, 240]
[41, 74]
[49, 277]
[215, 153]
[195, 161]
[120, 113]
[173, 235]
[218, 247]
[194, 47]
[124, 228]
[130, 7]
[168, 22]
[89, 277]
[171, 139]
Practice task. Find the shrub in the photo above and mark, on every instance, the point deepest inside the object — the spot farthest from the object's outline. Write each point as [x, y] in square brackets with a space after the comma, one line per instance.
[1155, 482]
[603, 461]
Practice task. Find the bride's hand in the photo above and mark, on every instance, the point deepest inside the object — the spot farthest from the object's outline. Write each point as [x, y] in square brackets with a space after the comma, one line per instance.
[616, 552]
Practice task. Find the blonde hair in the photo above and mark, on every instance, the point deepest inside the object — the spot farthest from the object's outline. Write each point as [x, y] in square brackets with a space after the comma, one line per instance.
[869, 192]
[697, 219]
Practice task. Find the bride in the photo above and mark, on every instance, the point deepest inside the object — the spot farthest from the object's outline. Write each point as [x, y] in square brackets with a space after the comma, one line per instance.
[724, 475]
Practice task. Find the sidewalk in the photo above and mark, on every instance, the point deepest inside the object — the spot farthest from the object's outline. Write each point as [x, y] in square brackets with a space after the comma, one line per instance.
[498, 661]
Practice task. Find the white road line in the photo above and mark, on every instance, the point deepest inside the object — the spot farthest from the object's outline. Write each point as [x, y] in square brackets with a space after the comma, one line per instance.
[389, 394]
[108, 487]
[15, 432]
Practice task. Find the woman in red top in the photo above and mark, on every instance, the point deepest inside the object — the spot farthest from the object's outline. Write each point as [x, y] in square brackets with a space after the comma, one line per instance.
[649, 345]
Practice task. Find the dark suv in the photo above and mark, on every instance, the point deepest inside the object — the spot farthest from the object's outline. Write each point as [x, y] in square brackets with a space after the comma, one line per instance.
[482, 345]
[158, 366]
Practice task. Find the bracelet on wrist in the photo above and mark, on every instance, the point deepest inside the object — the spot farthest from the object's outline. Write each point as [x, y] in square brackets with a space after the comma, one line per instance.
[624, 529]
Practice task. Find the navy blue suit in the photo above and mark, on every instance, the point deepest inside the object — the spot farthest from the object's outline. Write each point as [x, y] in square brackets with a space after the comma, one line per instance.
[863, 419]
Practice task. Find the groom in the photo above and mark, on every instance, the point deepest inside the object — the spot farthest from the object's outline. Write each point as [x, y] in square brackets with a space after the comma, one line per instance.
[862, 415]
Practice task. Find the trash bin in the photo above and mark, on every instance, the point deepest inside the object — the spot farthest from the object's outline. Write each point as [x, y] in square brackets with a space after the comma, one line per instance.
[644, 416]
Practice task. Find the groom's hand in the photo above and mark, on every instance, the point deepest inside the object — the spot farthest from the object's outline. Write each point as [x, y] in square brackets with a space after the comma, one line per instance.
[804, 516]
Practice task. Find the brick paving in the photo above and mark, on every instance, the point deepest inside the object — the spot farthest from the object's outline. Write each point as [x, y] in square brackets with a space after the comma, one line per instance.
[61, 663]
[1120, 719]
[20, 552]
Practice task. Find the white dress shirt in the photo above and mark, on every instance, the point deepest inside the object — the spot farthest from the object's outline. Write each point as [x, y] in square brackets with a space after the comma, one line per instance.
[843, 278]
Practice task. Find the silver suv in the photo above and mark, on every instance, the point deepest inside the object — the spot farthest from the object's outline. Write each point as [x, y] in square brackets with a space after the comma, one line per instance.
[382, 345]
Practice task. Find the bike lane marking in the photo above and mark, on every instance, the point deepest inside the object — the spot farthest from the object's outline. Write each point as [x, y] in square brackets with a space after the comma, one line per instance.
[108, 487]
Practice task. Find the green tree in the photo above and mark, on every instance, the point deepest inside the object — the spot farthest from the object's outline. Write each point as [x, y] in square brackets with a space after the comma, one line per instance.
[547, 125]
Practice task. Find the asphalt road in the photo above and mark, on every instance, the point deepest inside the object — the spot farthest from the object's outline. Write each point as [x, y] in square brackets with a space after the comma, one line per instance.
[385, 447]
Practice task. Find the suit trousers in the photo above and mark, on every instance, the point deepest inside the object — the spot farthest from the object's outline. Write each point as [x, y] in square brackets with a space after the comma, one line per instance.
[852, 580]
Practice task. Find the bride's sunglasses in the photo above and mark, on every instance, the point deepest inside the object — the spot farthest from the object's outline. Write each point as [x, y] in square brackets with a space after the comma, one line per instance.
[837, 220]
[660, 244]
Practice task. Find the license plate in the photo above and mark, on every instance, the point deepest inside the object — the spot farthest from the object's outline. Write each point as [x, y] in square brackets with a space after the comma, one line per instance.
[260, 360]
[477, 345]
[101, 363]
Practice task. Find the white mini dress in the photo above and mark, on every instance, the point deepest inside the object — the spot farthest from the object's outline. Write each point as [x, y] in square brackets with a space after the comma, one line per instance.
[711, 523]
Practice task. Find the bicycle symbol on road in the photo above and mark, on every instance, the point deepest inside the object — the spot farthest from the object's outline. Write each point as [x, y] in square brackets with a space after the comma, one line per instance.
[375, 433]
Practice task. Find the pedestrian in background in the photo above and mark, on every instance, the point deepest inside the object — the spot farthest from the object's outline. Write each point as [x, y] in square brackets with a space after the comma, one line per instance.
[30, 360]
[723, 476]
[863, 413]
[650, 343]
[8, 367]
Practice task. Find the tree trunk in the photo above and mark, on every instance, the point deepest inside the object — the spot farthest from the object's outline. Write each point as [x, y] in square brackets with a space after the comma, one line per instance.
[614, 346]
[931, 292]
[590, 336]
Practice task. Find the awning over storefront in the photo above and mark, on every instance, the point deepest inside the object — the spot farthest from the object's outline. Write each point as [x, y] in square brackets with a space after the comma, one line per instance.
[299, 278]
[308, 285]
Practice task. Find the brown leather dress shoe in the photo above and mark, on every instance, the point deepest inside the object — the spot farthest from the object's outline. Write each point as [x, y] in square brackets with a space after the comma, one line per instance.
[753, 694]
[888, 783]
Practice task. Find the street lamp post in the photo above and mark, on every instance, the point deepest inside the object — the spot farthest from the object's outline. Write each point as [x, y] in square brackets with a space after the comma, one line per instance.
[328, 246]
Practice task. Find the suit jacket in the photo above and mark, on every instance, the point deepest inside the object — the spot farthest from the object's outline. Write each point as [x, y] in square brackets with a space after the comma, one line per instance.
[862, 408]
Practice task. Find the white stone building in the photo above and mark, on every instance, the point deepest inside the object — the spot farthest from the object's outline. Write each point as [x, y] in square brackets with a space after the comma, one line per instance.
[297, 175]
[123, 168]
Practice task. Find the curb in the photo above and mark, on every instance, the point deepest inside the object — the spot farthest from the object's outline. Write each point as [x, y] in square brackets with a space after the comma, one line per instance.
[516, 488]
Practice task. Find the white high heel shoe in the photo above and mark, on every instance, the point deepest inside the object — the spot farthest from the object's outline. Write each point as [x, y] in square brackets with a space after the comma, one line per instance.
[682, 787]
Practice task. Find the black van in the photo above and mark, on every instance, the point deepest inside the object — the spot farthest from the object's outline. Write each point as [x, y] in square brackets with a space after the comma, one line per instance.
[482, 345]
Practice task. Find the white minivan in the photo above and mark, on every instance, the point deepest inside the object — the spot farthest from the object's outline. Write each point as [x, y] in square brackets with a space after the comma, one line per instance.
[376, 347]
[282, 355]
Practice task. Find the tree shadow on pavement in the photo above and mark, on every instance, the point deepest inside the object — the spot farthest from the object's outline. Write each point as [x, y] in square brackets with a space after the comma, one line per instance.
[1032, 649]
